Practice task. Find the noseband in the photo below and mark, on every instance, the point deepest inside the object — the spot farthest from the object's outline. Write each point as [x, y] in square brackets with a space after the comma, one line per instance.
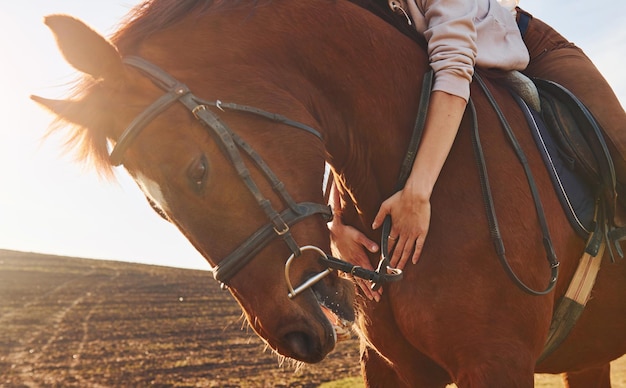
[231, 144]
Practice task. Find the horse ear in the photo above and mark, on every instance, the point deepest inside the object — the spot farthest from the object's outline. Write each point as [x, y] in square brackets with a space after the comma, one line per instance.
[68, 110]
[85, 49]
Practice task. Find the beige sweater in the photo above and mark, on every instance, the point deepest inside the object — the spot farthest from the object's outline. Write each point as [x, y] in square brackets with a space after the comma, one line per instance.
[462, 34]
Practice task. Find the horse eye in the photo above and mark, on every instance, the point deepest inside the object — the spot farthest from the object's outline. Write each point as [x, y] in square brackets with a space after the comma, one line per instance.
[198, 172]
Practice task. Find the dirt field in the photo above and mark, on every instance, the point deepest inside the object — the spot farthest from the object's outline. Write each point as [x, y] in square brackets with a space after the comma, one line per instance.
[87, 323]
[78, 323]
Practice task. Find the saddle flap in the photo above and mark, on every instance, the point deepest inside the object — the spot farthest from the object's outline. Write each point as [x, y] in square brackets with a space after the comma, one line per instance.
[579, 136]
[572, 145]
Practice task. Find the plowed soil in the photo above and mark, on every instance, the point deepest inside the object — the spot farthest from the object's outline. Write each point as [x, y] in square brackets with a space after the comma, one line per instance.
[67, 322]
[88, 323]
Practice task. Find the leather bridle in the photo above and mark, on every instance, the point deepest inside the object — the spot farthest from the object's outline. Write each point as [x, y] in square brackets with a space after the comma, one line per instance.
[231, 144]
[281, 222]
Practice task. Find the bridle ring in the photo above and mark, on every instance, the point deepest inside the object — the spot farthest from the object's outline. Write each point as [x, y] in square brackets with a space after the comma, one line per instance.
[311, 281]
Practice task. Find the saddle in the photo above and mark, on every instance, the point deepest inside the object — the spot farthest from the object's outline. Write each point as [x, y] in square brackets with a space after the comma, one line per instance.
[581, 147]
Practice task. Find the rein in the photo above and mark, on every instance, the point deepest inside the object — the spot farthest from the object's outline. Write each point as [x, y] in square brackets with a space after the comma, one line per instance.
[405, 170]
[489, 203]
[231, 144]
[485, 187]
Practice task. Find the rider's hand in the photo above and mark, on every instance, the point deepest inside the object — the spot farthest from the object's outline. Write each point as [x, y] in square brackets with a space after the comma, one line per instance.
[350, 244]
[410, 208]
[410, 215]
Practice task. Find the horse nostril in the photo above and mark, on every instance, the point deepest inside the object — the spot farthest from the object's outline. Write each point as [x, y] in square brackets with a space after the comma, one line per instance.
[302, 346]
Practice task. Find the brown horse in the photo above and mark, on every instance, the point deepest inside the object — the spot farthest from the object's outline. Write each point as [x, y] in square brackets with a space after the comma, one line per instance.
[335, 68]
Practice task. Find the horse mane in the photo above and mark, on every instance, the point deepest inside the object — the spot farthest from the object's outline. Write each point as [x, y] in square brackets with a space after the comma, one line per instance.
[156, 15]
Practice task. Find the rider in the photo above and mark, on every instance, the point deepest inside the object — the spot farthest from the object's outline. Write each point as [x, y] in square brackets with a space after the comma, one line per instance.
[462, 34]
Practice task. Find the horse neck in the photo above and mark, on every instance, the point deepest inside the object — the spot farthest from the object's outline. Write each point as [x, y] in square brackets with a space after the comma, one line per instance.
[361, 80]
[372, 92]
[356, 76]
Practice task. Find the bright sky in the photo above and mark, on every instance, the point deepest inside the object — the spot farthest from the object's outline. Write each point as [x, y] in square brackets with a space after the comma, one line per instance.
[49, 204]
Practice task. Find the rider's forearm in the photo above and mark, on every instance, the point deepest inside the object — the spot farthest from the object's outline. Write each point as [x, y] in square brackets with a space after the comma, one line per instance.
[442, 123]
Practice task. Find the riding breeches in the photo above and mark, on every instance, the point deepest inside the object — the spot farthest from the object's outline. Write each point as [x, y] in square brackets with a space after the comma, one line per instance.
[554, 58]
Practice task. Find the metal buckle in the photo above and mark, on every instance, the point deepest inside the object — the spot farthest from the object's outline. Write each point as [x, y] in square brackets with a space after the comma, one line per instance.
[284, 228]
[198, 108]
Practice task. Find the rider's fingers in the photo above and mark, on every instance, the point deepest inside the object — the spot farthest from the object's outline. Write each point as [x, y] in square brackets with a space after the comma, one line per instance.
[385, 209]
[419, 245]
[367, 243]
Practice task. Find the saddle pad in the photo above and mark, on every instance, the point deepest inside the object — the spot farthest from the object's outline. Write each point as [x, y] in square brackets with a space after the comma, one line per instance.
[576, 197]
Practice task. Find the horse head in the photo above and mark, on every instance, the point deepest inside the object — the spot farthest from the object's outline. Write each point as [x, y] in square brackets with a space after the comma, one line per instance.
[204, 181]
